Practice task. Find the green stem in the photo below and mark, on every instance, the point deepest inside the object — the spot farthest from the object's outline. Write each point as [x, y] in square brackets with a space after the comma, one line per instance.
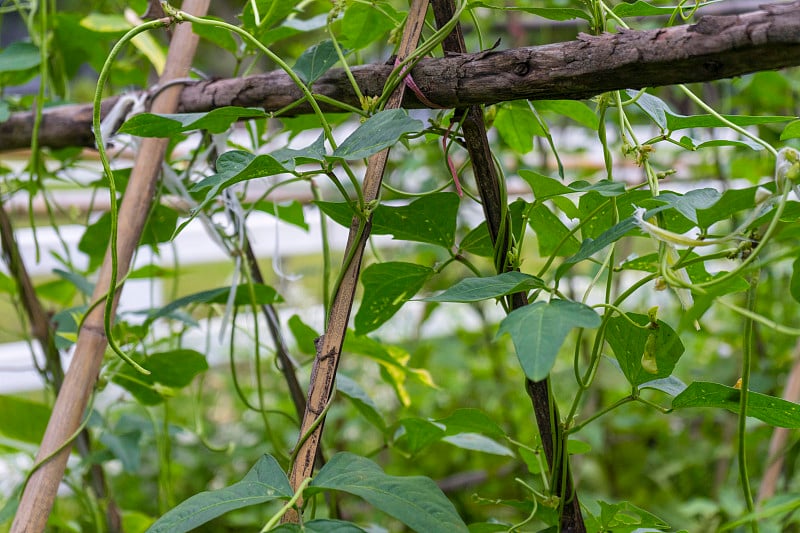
[326, 252]
[112, 186]
[345, 66]
[181, 16]
[756, 251]
[747, 354]
[291, 503]
[598, 414]
[421, 51]
[708, 109]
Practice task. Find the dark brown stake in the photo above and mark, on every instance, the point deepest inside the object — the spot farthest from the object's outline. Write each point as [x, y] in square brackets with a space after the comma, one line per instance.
[545, 410]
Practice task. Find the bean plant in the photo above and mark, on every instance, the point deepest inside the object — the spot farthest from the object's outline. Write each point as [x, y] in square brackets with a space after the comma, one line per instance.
[639, 269]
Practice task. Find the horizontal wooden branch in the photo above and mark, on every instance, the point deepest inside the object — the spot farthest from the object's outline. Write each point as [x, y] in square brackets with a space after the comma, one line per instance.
[716, 47]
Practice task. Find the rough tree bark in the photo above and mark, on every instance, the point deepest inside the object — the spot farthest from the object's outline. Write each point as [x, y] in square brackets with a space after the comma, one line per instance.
[715, 47]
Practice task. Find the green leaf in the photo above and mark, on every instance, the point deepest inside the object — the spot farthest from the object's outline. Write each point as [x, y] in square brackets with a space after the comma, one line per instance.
[653, 106]
[551, 232]
[314, 152]
[271, 12]
[316, 61]
[670, 385]
[381, 130]
[779, 505]
[159, 228]
[640, 8]
[544, 187]
[7, 285]
[294, 26]
[578, 447]
[794, 284]
[478, 443]
[168, 370]
[262, 295]
[387, 286]
[23, 420]
[80, 282]
[624, 517]
[630, 343]
[689, 203]
[416, 434]
[363, 24]
[477, 242]
[263, 483]
[415, 501]
[732, 201]
[489, 527]
[304, 335]
[233, 167]
[677, 122]
[126, 447]
[577, 111]
[361, 401]
[102, 23]
[589, 247]
[791, 131]
[539, 329]
[517, 125]
[477, 289]
[430, 219]
[168, 125]
[605, 188]
[692, 144]
[550, 13]
[393, 361]
[774, 411]
[219, 36]
[321, 525]
[470, 420]
[19, 56]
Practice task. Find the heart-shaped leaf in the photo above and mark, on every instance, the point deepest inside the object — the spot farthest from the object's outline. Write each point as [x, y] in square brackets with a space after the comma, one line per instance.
[381, 130]
[477, 289]
[316, 61]
[264, 482]
[774, 411]
[415, 501]
[633, 346]
[387, 286]
[539, 329]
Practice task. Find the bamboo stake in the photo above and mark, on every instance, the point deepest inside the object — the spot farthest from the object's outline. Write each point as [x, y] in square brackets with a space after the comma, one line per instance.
[323, 374]
[40, 492]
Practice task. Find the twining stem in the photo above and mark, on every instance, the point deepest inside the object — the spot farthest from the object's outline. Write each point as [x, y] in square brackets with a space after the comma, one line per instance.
[112, 185]
[747, 353]
[298, 494]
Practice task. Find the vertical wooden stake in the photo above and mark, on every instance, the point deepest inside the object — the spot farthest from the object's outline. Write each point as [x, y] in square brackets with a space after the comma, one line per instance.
[39, 495]
[545, 411]
[323, 374]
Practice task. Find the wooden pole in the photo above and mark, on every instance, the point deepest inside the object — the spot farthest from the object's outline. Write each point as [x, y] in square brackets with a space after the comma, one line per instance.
[40, 492]
[323, 373]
